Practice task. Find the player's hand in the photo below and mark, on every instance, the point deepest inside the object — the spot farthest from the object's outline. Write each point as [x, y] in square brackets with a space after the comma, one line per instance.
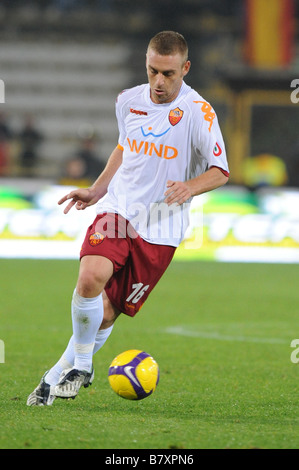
[80, 198]
[177, 192]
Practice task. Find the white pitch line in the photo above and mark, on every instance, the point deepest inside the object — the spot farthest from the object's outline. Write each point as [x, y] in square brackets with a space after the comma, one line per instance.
[179, 330]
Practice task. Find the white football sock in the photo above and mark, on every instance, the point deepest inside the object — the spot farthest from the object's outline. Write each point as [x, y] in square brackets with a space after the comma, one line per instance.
[65, 362]
[68, 357]
[87, 317]
[101, 338]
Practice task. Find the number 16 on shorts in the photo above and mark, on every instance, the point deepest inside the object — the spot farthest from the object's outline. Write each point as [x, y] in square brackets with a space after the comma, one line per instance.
[137, 292]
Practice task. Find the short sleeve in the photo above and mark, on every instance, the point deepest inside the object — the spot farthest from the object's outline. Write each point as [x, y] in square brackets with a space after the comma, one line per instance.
[208, 138]
[119, 111]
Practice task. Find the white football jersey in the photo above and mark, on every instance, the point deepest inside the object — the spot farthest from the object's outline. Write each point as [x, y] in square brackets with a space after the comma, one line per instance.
[173, 141]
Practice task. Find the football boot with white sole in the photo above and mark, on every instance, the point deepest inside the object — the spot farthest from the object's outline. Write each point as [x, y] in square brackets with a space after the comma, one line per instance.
[42, 395]
[70, 382]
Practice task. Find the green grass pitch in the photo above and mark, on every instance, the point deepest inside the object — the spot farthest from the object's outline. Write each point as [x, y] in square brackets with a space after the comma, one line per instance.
[220, 332]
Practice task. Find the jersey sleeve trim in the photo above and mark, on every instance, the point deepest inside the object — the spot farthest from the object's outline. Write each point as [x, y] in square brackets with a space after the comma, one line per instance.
[120, 147]
[226, 173]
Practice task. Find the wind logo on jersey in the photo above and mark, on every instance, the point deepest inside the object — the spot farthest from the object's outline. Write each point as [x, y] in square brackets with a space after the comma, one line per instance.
[175, 116]
[96, 238]
[209, 114]
[217, 150]
[151, 149]
[151, 133]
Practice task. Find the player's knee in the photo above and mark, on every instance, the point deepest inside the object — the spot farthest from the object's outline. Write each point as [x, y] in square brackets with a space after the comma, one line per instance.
[90, 284]
[94, 273]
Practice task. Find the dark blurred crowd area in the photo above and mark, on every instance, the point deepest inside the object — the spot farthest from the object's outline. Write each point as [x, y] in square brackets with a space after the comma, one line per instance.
[27, 139]
[91, 20]
[215, 31]
[223, 7]
[80, 167]
[119, 17]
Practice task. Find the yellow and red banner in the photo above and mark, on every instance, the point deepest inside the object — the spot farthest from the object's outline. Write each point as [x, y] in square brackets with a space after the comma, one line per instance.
[269, 32]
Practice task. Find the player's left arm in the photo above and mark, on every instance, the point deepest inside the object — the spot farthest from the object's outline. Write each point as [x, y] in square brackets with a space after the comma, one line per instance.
[180, 191]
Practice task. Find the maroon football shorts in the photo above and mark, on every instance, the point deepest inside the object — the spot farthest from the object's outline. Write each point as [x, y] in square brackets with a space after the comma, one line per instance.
[138, 265]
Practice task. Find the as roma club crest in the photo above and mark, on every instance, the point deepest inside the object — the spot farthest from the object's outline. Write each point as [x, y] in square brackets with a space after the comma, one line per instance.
[96, 238]
[175, 116]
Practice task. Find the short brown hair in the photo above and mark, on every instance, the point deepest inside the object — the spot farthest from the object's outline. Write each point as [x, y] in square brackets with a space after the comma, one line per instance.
[169, 43]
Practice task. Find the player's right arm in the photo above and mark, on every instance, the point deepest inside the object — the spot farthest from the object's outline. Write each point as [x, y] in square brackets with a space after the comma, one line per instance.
[84, 197]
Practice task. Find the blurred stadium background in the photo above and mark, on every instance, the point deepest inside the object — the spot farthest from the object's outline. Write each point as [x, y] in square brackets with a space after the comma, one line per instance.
[63, 62]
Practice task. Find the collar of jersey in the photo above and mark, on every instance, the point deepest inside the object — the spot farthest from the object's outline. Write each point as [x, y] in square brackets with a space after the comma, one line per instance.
[165, 105]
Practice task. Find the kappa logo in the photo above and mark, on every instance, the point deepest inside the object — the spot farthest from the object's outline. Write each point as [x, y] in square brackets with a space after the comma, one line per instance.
[209, 114]
[96, 238]
[139, 113]
[175, 116]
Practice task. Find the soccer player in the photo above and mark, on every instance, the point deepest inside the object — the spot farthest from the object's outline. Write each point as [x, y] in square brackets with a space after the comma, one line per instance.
[170, 149]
